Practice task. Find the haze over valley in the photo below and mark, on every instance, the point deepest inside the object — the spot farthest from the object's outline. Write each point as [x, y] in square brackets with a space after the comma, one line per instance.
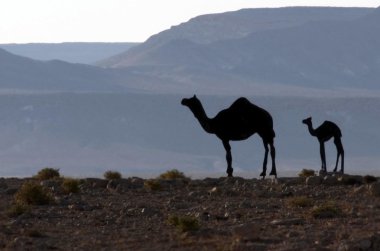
[119, 108]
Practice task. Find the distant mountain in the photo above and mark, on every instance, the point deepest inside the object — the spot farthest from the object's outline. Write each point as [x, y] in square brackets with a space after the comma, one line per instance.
[283, 51]
[21, 73]
[329, 48]
[84, 53]
[234, 25]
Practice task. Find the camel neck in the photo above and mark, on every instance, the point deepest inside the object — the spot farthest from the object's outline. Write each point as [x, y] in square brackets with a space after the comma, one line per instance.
[311, 129]
[205, 121]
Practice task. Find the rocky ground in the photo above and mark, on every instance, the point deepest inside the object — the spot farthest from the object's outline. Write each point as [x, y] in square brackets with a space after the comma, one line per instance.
[316, 213]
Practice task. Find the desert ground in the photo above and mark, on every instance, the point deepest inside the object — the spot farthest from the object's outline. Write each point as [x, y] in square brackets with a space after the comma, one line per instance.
[333, 212]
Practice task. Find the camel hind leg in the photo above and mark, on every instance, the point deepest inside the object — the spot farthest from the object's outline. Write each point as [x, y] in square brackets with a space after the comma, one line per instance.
[227, 147]
[273, 156]
[264, 172]
[323, 155]
[340, 152]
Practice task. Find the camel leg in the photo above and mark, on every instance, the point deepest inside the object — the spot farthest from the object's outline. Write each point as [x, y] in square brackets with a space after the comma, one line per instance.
[264, 172]
[227, 146]
[273, 156]
[342, 161]
[337, 161]
[323, 155]
[340, 150]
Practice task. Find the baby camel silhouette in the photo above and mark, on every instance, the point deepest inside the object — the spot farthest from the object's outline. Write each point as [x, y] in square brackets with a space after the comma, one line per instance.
[324, 133]
[238, 122]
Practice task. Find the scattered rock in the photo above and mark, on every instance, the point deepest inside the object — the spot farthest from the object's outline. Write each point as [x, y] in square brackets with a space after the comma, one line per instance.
[288, 222]
[351, 179]
[3, 185]
[96, 183]
[361, 189]
[247, 232]
[330, 180]
[374, 189]
[53, 184]
[214, 191]
[313, 180]
[369, 179]
[365, 244]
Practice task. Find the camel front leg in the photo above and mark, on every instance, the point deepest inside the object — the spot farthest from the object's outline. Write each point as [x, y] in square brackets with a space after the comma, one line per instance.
[227, 146]
[264, 172]
[323, 155]
[340, 152]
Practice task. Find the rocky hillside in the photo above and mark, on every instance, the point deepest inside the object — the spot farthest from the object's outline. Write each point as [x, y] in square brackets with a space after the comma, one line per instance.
[305, 52]
[315, 213]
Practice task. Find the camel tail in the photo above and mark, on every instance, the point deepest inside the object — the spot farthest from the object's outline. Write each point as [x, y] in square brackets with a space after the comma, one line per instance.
[273, 134]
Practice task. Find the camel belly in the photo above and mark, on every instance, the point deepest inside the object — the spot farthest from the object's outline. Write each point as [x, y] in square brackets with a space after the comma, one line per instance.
[234, 136]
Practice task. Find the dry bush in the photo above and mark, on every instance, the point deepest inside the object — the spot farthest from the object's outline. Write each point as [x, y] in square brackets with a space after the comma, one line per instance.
[184, 223]
[306, 173]
[369, 179]
[32, 193]
[301, 201]
[112, 175]
[327, 210]
[152, 185]
[172, 174]
[17, 209]
[70, 185]
[47, 173]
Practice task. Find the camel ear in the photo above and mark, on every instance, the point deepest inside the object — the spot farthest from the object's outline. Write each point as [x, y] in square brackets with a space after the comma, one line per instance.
[194, 96]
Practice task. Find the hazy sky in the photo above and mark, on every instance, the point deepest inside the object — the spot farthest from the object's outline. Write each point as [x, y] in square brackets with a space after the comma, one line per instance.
[24, 21]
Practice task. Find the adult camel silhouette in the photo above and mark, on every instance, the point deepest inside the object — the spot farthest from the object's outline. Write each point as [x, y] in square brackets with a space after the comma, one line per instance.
[325, 132]
[238, 122]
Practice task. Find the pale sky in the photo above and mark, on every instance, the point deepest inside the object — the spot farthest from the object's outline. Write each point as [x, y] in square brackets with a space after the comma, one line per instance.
[26, 21]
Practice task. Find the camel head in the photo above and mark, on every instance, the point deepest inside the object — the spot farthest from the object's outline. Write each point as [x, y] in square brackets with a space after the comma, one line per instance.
[190, 102]
[194, 105]
[307, 121]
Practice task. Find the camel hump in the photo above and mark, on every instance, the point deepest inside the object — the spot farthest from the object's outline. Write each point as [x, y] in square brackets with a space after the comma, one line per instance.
[244, 103]
[333, 128]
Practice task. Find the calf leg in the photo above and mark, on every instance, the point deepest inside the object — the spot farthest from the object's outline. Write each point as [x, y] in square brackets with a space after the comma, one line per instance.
[340, 150]
[264, 172]
[273, 156]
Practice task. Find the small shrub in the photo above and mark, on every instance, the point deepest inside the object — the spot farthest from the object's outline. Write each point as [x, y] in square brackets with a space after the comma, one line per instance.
[185, 223]
[327, 210]
[31, 193]
[47, 173]
[112, 175]
[172, 174]
[351, 180]
[369, 179]
[17, 209]
[301, 201]
[153, 185]
[70, 185]
[306, 173]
